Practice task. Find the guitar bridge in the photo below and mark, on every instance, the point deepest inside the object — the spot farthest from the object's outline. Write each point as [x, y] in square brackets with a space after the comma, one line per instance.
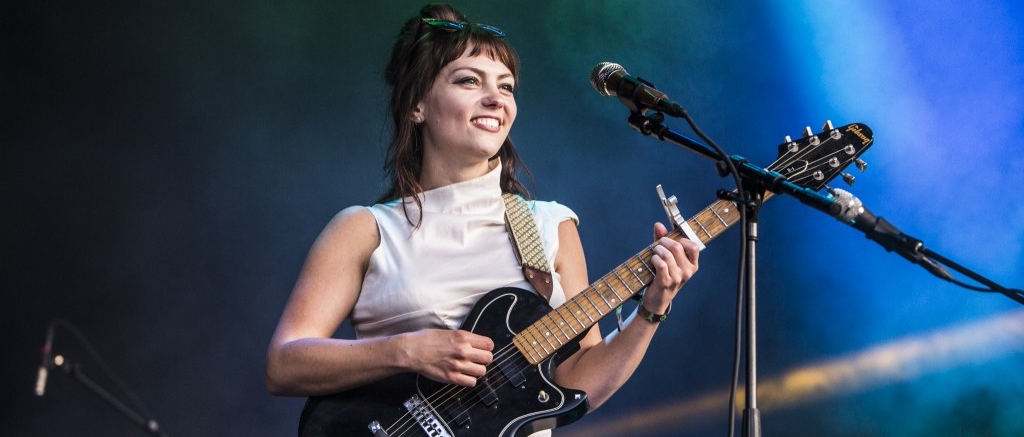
[425, 417]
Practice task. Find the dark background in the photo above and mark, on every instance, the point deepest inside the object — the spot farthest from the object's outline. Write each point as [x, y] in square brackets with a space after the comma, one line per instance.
[166, 166]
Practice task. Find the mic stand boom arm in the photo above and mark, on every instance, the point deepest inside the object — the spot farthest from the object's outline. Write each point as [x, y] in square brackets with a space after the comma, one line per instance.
[1015, 294]
[752, 174]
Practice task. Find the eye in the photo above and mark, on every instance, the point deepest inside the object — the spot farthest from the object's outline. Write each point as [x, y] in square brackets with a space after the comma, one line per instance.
[508, 87]
[468, 80]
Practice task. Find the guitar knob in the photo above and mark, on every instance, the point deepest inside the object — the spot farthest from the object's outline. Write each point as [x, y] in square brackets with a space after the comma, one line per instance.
[849, 178]
[808, 132]
[861, 164]
[827, 127]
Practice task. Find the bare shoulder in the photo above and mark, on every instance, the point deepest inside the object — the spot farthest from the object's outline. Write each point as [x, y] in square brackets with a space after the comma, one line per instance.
[353, 229]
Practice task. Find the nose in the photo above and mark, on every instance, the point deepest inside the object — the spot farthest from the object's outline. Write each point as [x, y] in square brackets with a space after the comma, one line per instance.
[494, 100]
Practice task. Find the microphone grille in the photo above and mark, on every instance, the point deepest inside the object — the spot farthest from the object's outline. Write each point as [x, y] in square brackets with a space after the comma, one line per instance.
[599, 77]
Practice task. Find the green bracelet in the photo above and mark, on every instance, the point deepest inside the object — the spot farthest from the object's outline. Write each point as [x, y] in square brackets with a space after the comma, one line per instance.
[642, 312]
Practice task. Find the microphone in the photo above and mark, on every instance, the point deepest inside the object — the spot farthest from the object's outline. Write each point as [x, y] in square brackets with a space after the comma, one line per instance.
[853, 212]
[44, 368]
[611, 79]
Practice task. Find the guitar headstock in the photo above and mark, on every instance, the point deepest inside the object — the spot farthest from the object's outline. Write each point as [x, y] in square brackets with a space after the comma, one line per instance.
[816, 159]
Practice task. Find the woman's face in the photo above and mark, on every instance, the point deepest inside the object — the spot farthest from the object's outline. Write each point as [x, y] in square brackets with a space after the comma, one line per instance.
[469, 109]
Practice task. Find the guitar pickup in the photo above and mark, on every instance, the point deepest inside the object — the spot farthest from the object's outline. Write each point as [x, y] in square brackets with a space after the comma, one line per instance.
[513, 374]
[458, 413]
[486, 393]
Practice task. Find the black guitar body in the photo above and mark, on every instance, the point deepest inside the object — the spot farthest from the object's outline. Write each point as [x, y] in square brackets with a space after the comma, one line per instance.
[514, 399]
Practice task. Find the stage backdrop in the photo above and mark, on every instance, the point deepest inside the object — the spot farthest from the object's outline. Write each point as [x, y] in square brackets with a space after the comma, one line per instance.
[166, 166]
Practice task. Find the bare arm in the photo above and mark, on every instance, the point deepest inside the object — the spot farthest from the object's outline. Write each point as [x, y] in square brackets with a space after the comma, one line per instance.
[602, 365]
[304, 360]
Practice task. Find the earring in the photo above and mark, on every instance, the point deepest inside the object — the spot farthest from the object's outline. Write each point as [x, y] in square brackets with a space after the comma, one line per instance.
[417, 120]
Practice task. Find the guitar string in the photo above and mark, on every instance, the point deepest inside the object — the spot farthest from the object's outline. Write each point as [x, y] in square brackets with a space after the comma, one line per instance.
[804, 152]
[505, 359]
[450, 392]
[408, 423]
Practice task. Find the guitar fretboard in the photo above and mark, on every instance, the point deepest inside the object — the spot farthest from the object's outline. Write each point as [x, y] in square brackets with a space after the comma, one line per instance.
[557, 328]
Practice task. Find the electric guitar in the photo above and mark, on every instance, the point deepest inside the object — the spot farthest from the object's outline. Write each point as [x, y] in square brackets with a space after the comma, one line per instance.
[518, 396]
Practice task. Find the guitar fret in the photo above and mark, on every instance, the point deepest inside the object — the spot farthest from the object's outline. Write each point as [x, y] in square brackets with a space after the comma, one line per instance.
[623, 281]
[566, 322]
[545, 320]
[584, 310]
[618, 297]
[719, 217]
[524, 347]
[536, 340]
[607, 288]
[548, 334]
[559, 324]
[592, 304]
[574, 315]
[638, 279]
[650, 269]
[601, 295]
[701, 226]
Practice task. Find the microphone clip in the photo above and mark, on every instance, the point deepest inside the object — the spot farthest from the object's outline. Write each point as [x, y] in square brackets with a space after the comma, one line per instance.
[647, 124]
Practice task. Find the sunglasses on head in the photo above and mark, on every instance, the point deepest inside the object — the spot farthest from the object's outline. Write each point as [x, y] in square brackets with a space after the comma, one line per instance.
[452, 26]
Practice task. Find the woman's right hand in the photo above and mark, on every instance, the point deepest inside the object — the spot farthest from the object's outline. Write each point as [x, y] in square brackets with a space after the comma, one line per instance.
[448, 356]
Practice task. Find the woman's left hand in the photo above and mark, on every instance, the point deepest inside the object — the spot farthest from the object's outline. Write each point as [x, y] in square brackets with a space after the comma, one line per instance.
[674, 262]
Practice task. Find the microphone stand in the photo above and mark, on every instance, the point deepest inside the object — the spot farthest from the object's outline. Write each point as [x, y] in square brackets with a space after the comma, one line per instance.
[150, 426]
[756, 181]
[1016, 295]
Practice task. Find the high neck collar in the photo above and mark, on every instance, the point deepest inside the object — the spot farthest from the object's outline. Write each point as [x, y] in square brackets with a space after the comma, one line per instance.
[477, 195]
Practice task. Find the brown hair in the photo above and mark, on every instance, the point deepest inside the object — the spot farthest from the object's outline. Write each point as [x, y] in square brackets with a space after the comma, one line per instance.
[419, 54]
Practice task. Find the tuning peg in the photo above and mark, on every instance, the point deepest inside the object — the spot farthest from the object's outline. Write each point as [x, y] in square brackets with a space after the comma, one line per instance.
[831, 130]
[849, 179]
[861, 164]
[812, 139]
[791, 145]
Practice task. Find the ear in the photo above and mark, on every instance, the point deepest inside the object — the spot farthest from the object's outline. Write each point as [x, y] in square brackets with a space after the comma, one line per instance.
[418, 115]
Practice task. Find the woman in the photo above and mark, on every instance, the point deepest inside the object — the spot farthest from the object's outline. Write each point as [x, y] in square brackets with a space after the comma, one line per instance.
[406, 272]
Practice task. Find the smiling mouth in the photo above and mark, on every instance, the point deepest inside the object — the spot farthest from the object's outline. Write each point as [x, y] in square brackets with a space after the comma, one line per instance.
[487, 122]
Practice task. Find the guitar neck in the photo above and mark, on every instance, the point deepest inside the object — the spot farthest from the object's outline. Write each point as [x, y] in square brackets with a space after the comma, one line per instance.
[559, 327]
[811, 161]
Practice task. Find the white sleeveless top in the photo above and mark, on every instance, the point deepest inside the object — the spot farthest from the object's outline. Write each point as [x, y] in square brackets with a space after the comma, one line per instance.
[431, 276]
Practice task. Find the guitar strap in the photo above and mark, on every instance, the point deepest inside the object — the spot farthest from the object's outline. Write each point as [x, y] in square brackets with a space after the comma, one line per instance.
[527, 244]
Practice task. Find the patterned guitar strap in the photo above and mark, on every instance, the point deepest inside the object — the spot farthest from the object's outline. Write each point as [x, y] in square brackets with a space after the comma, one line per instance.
[527, 244]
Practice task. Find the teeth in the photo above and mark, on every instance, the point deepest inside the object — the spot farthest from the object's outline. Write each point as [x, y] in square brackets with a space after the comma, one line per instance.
[489, 122]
